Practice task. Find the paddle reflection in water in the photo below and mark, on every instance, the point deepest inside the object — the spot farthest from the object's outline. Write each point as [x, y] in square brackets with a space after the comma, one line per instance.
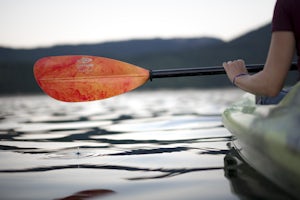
[138, 145]
[88, 194]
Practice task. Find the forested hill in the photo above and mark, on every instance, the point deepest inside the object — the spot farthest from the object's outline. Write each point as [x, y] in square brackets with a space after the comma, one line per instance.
[16, 64]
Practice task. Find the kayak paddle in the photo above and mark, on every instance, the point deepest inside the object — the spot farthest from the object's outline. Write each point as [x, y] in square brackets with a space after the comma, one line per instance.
[81, 78]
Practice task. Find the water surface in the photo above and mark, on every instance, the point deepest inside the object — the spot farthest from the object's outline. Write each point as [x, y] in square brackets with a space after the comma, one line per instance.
[140, 145]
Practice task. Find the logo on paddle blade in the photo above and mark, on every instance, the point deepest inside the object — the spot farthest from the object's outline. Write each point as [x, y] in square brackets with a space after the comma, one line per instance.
[85, 65]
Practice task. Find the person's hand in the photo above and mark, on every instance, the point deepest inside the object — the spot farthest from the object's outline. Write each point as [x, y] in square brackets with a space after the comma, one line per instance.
[235, 69]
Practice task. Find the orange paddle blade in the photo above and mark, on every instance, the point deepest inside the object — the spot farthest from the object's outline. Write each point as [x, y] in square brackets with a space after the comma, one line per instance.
[87, 78]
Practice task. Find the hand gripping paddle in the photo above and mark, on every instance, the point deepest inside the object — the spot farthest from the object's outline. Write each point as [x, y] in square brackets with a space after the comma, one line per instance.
[87, 78]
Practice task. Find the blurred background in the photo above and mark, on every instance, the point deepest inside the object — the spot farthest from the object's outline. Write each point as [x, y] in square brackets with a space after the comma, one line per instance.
[152, 34]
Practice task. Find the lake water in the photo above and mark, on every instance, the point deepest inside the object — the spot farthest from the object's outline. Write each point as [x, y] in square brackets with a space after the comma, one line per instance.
[140, 145]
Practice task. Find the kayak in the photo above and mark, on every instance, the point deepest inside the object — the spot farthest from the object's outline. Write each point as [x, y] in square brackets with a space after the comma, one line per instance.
[267, 137]
[246, 182]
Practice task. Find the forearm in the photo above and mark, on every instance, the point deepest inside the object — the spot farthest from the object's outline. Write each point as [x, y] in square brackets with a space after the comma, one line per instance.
[271, 79]
[260, 84]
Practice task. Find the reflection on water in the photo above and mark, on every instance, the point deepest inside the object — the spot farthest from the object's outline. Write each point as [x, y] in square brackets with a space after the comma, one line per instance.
[88, 194]
[247, 183]
[141, 145]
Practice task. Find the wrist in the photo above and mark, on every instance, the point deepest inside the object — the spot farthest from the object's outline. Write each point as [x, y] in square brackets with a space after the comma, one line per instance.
[237, 76]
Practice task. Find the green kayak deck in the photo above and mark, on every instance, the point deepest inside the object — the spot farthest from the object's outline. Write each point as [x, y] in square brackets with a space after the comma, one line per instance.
[268, 137]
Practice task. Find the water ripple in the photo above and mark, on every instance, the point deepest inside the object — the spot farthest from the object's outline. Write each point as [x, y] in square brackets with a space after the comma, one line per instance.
[163, 139]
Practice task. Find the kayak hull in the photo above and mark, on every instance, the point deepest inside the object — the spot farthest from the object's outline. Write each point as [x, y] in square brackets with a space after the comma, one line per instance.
[268, 137]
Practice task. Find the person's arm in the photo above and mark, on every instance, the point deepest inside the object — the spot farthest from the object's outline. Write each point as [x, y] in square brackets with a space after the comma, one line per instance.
[271, 79]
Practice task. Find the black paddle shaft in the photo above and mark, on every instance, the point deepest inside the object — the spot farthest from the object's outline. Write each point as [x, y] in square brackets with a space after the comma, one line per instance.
[199, 71]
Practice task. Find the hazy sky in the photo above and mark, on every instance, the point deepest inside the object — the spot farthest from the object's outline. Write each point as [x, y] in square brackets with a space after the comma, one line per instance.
[32, 23]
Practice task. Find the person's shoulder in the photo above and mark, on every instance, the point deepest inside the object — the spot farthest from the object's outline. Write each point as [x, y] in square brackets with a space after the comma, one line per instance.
[288, 6]
[287, 3]
[290, 3]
